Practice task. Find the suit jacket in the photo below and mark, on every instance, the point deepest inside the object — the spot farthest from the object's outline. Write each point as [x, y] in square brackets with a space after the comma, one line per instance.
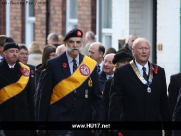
[130, 101]
[173, 90]
[19, 107]
[72, 107]
[177, 115]
[102, 79]
[107, 88]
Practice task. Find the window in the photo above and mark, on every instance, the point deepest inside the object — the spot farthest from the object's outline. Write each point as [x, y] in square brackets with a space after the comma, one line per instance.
[29, 23]
[71, 18]
[107, 23]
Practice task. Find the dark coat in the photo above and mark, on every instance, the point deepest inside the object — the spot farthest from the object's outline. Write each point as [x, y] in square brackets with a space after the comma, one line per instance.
[19, 107]
[102, 79]
[74, 106]
[177, 115]
[173, 90]
[107, 88]
[130, 101]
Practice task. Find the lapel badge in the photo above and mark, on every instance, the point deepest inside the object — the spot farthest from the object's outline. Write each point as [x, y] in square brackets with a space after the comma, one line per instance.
[90, 82]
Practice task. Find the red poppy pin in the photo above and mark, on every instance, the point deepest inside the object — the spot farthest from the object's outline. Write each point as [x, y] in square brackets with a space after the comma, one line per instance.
[120, 134]
[32, 72]
[64, 65]
[155, 69]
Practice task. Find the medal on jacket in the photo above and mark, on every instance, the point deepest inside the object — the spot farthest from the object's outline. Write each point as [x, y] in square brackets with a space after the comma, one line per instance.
[149, 89]
[90, 82]
[86, 93]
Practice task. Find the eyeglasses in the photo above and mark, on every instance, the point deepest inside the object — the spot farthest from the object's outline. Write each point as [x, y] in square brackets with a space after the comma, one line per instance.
[22, 54]
[141, 48]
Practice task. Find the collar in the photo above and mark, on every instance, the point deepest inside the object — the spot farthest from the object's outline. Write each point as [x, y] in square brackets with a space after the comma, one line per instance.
[140, 67]
[101, 65]
[11, 66]
[107, 76]
[70, 58]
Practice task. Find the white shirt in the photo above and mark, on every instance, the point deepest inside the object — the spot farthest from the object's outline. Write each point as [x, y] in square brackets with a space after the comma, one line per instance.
[140, 68]
[70, 62]
[101, 66]
[11, 66]
[109, 76]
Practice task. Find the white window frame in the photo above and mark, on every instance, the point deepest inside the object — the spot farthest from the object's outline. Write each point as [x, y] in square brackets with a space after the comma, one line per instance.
[70, 23]
[105, 31]
[29, 30]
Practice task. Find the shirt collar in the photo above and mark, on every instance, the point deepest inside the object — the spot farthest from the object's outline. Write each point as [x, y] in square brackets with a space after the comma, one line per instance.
[11, 66]
[140, 67]
[107, 76]
[70, 58]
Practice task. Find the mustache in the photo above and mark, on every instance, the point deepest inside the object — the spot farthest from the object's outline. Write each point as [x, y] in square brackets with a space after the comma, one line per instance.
[73, 48]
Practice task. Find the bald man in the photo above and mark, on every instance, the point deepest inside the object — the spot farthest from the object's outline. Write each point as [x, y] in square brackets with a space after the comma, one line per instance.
[108, 70]
[139, 93]
[96, 52]
[60, 49]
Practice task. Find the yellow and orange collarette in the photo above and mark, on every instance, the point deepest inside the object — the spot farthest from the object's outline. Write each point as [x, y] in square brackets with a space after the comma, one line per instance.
[71, 83]
[15, 88]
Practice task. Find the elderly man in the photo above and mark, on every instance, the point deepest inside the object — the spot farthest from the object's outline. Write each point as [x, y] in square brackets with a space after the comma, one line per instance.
[53, 39]
[139, 93]
[108, 70]
[63, 96]
[89, 39]
[96, 52]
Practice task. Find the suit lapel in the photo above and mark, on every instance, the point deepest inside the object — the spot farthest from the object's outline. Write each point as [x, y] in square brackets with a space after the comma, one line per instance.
[65, 65]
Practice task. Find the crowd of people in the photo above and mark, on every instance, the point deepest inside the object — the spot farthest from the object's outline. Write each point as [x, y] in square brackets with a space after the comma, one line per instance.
[76, 80]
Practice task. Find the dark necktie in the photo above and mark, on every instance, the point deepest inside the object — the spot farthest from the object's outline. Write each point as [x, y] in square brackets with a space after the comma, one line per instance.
[144, 74]
[74, 65]
[98, 69]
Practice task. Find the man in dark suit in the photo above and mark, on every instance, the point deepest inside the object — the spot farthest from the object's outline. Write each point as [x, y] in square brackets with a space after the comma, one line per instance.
[23, 57]
[139, 92]
[69, 88]
[177, 116]
[16, 97]
[107, 71]
[120, 59]
[173, 90]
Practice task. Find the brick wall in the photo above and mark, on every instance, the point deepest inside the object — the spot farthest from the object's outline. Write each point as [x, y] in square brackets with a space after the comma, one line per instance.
[40, 24]
[87, 15]
[57, 16]
[17, 22]
[3, 19]
[136, 17]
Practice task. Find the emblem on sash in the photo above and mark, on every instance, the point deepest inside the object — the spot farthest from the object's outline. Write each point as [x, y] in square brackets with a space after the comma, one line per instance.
[25, 71]
[84, 70]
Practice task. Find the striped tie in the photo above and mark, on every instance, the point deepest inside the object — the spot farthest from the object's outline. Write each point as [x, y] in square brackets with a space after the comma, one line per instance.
[74, 65]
